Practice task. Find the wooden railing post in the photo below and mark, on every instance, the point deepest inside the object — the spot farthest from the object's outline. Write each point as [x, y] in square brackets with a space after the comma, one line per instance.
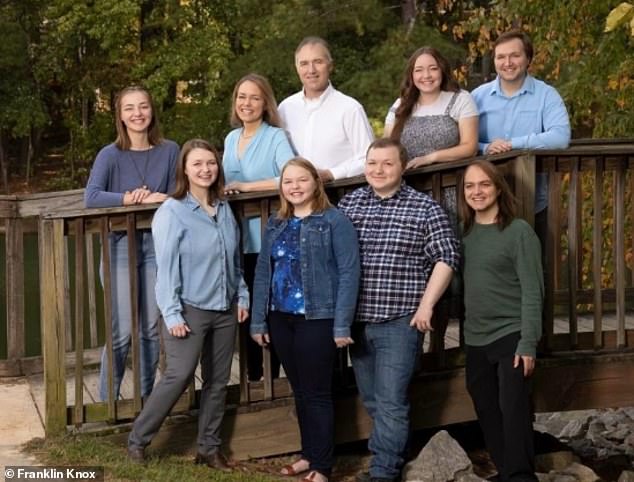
[523, 170]
[15, 288]
[53, 316]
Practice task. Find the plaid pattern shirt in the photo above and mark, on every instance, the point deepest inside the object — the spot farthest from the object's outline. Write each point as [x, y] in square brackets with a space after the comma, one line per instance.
[401, 238]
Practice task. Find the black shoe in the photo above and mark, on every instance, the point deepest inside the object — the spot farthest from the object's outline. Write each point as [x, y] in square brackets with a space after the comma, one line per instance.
[136, 455]
[214, 461]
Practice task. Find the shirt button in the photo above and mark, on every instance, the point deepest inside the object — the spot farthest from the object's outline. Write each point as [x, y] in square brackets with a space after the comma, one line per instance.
[303, 240]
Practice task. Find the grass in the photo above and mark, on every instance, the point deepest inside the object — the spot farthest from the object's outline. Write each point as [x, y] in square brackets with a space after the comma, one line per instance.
[89, 450]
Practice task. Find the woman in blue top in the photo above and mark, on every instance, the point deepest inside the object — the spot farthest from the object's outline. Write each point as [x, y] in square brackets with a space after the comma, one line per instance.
[199, 283]
[137, 168]
[305, 295]
[254, 155]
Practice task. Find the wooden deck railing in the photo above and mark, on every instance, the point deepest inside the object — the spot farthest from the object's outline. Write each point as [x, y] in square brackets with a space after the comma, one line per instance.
[591, 210]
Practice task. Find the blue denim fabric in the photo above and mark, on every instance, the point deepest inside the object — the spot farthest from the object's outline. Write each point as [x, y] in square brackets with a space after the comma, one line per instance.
[383, 358]
[122, 314]
[329, 253]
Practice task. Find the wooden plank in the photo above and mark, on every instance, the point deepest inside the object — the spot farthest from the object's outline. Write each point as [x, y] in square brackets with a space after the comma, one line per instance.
[14, 247]
[67, 322]
[91, 279]
[552, 241]
[588, 381]
[523, 171]
[574, 235]
[134, 309]
[266, 353]
[597, 249]
[619, 251]
[79, 320]
[53, 315]
[107, 308]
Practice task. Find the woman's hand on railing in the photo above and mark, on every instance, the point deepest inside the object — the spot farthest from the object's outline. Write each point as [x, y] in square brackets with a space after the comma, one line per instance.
[243, 314]
[135, 197]
[233, 188]
[421, 161]
[342, 341]
[180, 330]
[261, 339]
[155, 197]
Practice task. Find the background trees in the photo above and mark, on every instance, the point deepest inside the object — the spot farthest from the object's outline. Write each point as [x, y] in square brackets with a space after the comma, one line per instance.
[61, 61]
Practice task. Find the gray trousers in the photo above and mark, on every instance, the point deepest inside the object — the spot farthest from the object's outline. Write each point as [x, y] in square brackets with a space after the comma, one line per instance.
[212, 337]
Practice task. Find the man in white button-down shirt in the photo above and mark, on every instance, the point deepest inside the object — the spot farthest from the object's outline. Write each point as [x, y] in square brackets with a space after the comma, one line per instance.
[326, 127]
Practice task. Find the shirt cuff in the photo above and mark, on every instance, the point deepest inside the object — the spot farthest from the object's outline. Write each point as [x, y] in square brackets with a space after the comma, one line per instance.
[174, 319]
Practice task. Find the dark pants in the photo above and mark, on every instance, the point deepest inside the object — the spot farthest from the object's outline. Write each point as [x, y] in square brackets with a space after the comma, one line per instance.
[501, 397]
[307, 351]
[255, 360]
[212, 337]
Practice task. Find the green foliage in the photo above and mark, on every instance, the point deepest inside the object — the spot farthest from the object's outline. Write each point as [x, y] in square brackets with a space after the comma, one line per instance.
[593, 71]
[62, 61]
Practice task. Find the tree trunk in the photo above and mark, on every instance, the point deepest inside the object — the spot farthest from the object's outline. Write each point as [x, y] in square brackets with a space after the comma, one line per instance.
[408, 14]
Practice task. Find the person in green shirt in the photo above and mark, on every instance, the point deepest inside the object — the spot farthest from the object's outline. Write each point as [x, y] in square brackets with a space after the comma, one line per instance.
[503, 294]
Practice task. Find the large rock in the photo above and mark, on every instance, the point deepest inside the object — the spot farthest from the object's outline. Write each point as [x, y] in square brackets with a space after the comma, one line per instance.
[441, 460]
[626, 476]
[554, 461]
[581, 472]
[574, 429]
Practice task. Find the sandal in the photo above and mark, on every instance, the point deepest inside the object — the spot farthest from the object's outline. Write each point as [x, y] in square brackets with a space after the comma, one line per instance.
[291, 470]
[315, 476]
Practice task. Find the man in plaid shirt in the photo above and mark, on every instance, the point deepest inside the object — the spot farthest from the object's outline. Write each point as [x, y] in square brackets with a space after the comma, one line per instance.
[408, 255]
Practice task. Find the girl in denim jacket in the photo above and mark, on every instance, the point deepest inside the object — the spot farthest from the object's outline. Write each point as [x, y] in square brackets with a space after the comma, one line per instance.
[305, 294]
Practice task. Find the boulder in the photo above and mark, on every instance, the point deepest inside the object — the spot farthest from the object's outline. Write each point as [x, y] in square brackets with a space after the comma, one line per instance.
[581, 472]
[441, 460]
[554, 461]
[626, 476]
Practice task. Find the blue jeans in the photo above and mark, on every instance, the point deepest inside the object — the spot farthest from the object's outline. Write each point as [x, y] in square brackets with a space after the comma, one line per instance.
[383, 358]
[122, 313]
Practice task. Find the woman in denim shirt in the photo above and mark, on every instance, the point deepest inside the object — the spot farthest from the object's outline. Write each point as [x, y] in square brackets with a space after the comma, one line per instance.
[199, 283]
[305, 294]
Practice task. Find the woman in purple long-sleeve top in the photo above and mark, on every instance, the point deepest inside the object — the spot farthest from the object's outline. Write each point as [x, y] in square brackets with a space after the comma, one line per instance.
[137, 168]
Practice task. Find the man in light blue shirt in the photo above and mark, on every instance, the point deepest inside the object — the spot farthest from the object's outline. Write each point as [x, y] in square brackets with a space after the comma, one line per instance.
[518, 111]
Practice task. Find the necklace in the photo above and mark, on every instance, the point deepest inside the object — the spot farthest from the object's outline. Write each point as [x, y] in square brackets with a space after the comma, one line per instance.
[141, 174]
[245, 136]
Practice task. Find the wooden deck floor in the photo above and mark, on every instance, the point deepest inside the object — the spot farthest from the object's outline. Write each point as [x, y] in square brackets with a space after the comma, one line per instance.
[91, 377]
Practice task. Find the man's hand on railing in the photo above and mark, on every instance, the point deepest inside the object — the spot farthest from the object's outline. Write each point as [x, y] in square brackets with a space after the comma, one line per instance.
[498, 146]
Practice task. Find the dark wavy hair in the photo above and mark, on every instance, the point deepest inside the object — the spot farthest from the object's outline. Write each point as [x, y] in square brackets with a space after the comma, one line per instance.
[153, 132]
[270, 113]
[506, 199]
[216, 190]
[410, 94]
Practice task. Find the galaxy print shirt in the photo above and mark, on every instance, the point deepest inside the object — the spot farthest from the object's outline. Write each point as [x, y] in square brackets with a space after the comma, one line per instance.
[287, 292]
